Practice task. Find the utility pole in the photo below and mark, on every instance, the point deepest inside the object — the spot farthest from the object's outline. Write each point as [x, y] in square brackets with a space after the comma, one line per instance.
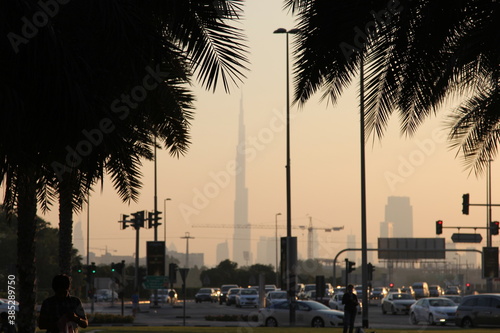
[187, 237]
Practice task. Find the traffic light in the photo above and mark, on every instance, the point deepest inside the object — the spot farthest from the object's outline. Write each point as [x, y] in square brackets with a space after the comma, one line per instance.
[371, 269]
[79, 269]
[494, 227]
[391, 285]
[124, 221]
[138, 219]
[350, 266]
[467, 286]
[113, 267]
[172, 272]
[158, 218]
[153, 218]
[439, 227]
[465, 204]
[119, 267]
[88, 273]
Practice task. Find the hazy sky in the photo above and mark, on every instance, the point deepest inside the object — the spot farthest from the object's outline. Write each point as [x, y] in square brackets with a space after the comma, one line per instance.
[324, 165]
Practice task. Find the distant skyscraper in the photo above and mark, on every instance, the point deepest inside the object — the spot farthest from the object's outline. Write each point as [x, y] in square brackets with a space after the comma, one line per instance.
[222, 252]
[399, 212]
[386, 230]
[266, 251]
[351, 244]
[78, 241]
[241, 239]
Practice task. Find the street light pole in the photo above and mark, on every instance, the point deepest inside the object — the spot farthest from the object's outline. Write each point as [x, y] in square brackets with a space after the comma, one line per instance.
[165, 220]
[290, 266]
[277, 272]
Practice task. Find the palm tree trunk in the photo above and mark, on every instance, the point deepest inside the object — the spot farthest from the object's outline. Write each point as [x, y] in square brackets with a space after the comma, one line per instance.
[65, 225]
[26, 236]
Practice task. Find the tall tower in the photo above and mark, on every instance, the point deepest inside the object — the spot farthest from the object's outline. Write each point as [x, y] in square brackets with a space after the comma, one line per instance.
[241, 240]
[78, 241]
[399, 212]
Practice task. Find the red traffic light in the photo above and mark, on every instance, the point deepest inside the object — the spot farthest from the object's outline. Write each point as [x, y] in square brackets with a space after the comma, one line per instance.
[439, 227]
[391, 285]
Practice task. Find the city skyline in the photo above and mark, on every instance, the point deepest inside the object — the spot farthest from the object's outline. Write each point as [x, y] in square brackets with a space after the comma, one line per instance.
[324, 157]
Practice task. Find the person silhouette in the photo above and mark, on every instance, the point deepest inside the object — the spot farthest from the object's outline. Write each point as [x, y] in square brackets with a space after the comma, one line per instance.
[350, 301]
[62, 313]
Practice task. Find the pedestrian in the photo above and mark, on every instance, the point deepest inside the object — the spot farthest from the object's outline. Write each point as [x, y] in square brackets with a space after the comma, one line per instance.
[62, 313]
[135, 302]
[350, 301]
[6, 326]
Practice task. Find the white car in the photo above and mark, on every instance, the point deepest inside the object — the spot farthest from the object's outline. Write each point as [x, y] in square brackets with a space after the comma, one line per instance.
[247, 297]
[433, 310]
[307, 313]
[335, 303]
[105, 295]
[276, 297]
[397, 303]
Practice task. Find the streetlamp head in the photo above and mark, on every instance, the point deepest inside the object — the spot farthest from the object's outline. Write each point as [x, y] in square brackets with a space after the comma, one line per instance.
[280, 31]
[293, 31]
[278, 214]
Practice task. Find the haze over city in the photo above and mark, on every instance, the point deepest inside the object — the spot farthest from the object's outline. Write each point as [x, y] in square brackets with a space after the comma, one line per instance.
[324, 166]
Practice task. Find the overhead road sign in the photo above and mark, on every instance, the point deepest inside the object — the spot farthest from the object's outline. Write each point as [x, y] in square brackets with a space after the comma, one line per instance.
[466, 238]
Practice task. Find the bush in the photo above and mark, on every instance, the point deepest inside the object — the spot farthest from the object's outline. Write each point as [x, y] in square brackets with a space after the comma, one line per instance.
[232, 318]
[106, 318]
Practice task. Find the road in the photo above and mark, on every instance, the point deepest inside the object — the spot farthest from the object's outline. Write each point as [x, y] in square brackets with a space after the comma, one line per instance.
[167, 315]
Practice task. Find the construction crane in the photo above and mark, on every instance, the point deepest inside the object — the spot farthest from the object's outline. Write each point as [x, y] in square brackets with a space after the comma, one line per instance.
[103, 249]
[309, 229]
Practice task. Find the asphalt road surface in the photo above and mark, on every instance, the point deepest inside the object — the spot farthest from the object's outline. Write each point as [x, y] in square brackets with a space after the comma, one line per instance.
[168, 315]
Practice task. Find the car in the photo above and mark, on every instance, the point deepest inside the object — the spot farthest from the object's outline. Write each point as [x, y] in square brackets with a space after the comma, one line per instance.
[270, 287]
[307, 288]
[408, 290]
[299, 289]
[397, 303]
[311, 295]
[247, 297]
[435, 290]
[223, 292]
[104, 295]
[308, 313]
[276, 297]
[433, 310]
[452, 290]
[421, 289]
[231, 295]
[478, 310]
[394, 290]
[335, 303]
[455, 298]
[7, 305]
[206, 295]
[378, 293]
[339, 290]
[164, 296]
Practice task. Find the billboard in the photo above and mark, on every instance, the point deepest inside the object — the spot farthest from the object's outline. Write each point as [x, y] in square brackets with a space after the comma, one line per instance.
[155, 257]
[411, 248]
